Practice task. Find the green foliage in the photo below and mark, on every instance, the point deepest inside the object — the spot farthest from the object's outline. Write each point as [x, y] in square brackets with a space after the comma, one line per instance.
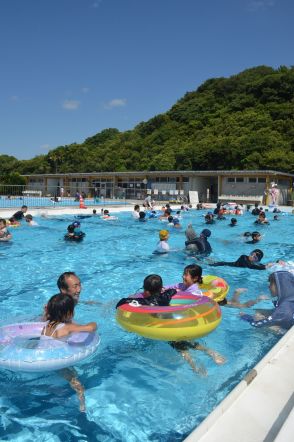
[12, 178]
[245, 121]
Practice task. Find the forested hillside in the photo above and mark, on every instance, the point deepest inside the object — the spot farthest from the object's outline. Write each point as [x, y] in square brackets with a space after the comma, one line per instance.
[242, 122]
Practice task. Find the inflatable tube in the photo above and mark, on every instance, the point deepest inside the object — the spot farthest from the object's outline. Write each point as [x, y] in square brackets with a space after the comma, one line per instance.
[109, 218]
[198, 317]
[21, 348]
[214, 287]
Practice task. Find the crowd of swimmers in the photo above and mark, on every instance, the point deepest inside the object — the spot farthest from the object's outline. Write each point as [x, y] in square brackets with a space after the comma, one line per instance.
[59, 311]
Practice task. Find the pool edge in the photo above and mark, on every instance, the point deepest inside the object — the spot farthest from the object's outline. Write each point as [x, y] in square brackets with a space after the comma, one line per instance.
[263, 387]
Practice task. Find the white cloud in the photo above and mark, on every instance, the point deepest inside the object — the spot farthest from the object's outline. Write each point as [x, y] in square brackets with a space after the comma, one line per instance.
[116, 102]
[257, 5]
[71, 104]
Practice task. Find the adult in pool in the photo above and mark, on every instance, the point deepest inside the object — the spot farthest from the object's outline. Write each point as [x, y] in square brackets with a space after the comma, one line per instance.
[282, 287]
[19, 215]
[251, 261]
[70, 284]
[201, 245]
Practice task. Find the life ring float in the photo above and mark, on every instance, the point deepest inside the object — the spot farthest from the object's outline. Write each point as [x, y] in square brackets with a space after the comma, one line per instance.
[196, 317]
[21, 348]
[9, 224]
[214, 287]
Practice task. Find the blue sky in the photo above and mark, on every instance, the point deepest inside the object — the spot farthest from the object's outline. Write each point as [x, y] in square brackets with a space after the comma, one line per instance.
[71, 68]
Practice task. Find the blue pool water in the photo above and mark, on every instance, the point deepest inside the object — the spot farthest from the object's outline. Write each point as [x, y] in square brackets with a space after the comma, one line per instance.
[35, 201]
[136, 389]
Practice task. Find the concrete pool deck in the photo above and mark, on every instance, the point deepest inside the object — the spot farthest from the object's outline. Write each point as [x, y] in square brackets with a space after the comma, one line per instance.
[260, 407]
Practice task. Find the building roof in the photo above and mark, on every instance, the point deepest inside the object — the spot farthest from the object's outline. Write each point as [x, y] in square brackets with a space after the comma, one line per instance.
[167, 172]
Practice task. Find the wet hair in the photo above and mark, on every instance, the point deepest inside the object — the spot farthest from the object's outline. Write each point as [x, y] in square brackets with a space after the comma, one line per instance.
[71, 228]
[62, 280]
[106, 212]
[142, 215]
[194, 271]
[94, 211]
[59, 308]
[258, 253]
[153, 284]
[137, 207]
[24, 207]
[2, 220]
[247, 234]
[170, 219]
[29, 217]
[233, 220]
[254, 234]
[206, 233]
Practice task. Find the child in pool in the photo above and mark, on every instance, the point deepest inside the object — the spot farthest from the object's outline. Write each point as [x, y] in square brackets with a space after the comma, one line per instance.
[192, 276]
[155, 294]
[60, 312]
[4, 233]
[162, 245]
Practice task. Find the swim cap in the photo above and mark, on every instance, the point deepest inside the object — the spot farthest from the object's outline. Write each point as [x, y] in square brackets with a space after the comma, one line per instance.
[163, 234]
[206, 233]
[76, 224]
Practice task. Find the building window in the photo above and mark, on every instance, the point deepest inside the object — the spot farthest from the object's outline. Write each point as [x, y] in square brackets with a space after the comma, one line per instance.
[252, 180]
[230, 180]
[239, 180]
[261, 180]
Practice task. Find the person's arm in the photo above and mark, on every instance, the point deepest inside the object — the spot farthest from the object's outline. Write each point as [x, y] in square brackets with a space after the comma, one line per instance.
[75, 328]
[223, 263]
[257, 266]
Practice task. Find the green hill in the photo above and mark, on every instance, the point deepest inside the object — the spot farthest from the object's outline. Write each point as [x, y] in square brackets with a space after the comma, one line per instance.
[245, 121]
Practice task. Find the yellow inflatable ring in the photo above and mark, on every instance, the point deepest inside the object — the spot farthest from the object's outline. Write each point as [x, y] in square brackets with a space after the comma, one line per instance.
[214, 287]
[8, 224]
[188, 318]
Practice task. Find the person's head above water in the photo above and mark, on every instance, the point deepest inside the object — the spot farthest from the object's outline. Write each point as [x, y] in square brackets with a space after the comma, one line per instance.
[60, 308]
[246, 234]
[163, 235]
[69, 284]
[281, 284]
[152, 285]
[205, 233]
[192, 274]
[256, 236]
[256, 255]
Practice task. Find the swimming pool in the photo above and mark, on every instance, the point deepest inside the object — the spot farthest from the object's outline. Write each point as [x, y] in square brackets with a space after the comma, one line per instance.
[136, 389]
